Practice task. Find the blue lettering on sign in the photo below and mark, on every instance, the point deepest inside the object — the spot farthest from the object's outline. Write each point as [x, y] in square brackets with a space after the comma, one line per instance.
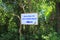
[29, 15]
[29, 18]
[29, 21]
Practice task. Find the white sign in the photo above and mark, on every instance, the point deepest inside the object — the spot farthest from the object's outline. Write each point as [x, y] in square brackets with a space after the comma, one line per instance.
[29, 19]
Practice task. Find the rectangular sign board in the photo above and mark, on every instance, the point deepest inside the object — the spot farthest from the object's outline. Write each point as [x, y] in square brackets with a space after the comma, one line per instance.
[29, 18]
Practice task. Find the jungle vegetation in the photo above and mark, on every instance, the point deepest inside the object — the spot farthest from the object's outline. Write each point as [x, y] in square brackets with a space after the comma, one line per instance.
[48, 20]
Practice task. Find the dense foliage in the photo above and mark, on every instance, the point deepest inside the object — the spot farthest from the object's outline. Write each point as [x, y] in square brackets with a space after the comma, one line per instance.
[11, 29]
[44, 30]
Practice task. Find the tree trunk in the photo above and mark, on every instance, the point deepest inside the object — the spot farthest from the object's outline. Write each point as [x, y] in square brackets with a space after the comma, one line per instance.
[58, 17]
